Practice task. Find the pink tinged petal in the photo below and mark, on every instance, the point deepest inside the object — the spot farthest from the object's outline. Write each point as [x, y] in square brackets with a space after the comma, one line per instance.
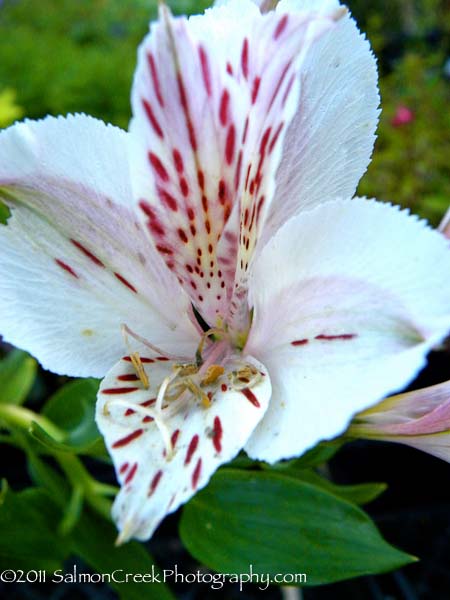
[217, 86]
[75, 263]
[356, 305]
[155, 480]
[329, 142]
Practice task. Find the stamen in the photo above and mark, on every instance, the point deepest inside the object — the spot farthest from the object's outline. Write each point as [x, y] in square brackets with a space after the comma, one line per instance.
[126, 331]
[139, 368]
[212, 374]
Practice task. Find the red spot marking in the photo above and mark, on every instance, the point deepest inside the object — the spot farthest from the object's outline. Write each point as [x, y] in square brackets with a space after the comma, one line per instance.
[178, 160]
[255, 90]
[119, 390]
[129, 438]
[189, 269]
[223, 110]
[182, 235]
[244, 135]
[230, 144]
[196, 474]
[193, 285]
[158, 167]
[131, 474]
[168, 199]
[162, 358]
[184, 104]
[191, 214]
[251, 397]
[200, 298]
[245, 217]
[208, 285]
[237, 175]
[87, 253]
[229, 69]
[224, 387]
[184, 187]
[278, 85]
[128, 377]
[154, 484]
[205, 203]
[264, 140]
[343, 336]
[210, 395]
[193, 444]
[222, 192]
[147, 209]
[300, 342]
[153, 120]
[148, 402]
[157, 228]
[129, 412]
[163, 249]
[174, 437]
[193, 230]
[123, 468]
[142, 359]
[217, 434]
[288, 90]
[259, 208]
[244, 58]
[125, 282]
[252, 186]
[155, 79]
[201, 179]
[210, 249]
[199, 251]
[147, 419]
[208, 226]
[280, 27]
[248, 175]
[205, 69]
[66, 268]
[275, 137]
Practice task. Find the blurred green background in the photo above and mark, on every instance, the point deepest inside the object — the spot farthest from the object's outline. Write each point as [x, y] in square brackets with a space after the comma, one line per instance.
[60, 56]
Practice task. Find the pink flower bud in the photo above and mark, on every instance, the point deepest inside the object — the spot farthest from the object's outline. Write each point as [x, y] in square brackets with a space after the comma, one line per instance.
[403, 116]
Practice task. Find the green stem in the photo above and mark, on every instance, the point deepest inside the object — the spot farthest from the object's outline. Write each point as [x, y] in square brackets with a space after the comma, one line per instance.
[18, 416]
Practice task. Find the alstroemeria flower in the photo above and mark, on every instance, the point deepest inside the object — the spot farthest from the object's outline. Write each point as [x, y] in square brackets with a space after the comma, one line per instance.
[420, 419]
[224, 197]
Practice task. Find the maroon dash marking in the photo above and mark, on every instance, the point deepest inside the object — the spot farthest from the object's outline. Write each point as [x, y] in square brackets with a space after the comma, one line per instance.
[229, 69]
[128, 377]
[230, 144]
[264, 141]
[300, 342]
[125, 282]
[259, 208]
[162, 358]
[174, 437]
[251, 397]
[168, 199]
[129, 438]
[129, 412]
[158, 167]
[143, 359]
[155, 79]
[255, 90]
[223, 110]
[66, 267]
[184, 104]
[123, 468]
[201, 179]
[278, 86]
[217, 434]
[154, 484]
[131, 473]
[237, 175]
[196, 474]
[280, 27]
[184, 187]
[329, 338]
[87, 253]
[244, 58]
[178, 161]
[148, 402]
[224, 387]
[147, 209]
[205, 69]
[222, 192]
[275, 137]
[147, 419]
[244, 135]
[119, 390]
[191, 449]
[151, 117]
[163, 249]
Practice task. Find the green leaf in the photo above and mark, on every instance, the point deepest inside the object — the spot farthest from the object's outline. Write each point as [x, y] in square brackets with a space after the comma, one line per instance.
[72, 408]
[4, 213]
[316, 456]
[29, 539]
[17, 375]
[358, 494]
[282, 525]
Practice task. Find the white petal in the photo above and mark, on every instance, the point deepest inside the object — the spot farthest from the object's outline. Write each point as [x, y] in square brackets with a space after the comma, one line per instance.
[330, 140]
[212, 98]
[361, 294]
[75, 264]
[156, 476]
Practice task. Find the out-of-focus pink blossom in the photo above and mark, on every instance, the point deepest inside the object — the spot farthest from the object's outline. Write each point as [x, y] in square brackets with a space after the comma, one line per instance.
[403, 116]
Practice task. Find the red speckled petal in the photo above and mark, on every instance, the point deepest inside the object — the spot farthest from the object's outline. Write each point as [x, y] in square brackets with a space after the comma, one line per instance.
[211, 99]
[154, 482]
